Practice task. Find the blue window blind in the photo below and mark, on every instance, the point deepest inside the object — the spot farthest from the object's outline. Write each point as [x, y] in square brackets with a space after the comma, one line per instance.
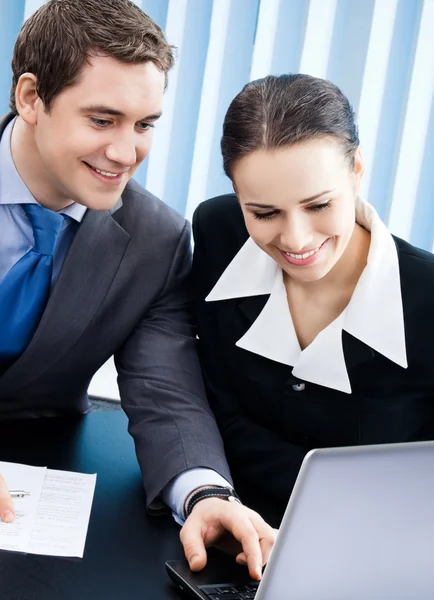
[380, 52]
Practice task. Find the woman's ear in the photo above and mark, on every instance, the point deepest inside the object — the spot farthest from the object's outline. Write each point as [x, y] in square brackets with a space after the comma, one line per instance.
[359, 170]
[27, 99]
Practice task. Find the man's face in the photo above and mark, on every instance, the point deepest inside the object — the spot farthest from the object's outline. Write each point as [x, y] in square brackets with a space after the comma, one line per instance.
[98, 131]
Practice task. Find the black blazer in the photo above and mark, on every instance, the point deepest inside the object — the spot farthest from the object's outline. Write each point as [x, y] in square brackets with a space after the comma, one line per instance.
[268, 426]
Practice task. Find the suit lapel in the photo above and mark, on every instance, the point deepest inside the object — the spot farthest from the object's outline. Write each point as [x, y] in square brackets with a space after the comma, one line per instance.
[355, 351]
[89, 269]
[251, 307]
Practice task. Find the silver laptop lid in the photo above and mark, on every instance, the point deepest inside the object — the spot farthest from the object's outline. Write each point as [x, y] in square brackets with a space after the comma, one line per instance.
[359, 526]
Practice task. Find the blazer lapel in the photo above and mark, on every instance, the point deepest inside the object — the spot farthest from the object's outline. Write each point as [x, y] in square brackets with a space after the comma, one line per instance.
[252, 306]
[89, 269]
[355, 351]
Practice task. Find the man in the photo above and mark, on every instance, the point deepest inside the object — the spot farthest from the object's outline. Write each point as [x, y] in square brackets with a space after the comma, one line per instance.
[93, 265]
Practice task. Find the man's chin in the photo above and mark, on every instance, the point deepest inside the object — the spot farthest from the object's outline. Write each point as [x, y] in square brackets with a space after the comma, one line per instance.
[99, 204]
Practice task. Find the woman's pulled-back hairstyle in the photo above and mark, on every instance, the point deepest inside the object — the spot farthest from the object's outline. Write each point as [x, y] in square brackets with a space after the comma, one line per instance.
[58, 40]
[279, 111]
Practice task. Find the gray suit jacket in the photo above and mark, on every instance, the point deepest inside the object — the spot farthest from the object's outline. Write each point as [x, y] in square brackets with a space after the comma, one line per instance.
[124, 290]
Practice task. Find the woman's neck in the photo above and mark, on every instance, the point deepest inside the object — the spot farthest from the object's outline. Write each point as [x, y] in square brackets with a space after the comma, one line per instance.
[314, 305]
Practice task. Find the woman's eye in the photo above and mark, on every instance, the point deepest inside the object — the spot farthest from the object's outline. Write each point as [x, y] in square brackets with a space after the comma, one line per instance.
[265, 216]
[318, 207]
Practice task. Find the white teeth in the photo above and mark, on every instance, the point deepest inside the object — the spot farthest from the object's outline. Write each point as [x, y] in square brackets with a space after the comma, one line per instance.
[105, 172]
[302, 256]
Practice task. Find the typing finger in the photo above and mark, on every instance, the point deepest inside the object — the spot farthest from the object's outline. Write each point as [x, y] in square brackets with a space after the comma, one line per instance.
[267, 535]
[239, 524]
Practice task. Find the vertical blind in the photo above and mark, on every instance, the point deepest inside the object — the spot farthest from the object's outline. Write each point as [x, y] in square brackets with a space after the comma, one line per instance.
[379, 52]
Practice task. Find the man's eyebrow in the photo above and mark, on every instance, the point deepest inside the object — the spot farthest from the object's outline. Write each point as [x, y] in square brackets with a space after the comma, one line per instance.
[100, 109]
[304, 201]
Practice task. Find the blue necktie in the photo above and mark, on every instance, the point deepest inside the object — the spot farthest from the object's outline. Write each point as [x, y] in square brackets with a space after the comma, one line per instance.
[25, 288]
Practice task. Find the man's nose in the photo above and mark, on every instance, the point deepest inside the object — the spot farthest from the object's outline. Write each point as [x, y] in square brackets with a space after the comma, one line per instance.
[122, 151]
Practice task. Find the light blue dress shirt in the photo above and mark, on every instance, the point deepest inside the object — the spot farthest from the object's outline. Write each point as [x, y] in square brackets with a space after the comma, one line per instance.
[16, 238]
[16, 231]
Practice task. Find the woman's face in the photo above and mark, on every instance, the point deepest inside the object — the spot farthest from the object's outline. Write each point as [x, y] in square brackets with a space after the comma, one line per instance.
[299, 204]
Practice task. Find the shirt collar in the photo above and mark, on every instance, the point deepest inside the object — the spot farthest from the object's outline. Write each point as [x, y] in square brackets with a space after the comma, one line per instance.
[13, 189]
[374, 314]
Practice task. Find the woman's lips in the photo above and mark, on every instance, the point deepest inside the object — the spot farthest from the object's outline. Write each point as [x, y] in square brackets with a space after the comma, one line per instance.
[312, 256]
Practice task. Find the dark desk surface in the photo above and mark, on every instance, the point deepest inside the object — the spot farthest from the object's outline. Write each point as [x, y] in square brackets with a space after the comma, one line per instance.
[125, 548]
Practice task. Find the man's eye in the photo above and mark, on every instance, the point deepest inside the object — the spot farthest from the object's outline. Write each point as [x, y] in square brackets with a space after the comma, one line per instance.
[265, 216]
[145, 126]
[100, 122]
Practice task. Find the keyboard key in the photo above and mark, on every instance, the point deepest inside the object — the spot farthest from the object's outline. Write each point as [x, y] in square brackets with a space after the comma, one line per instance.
[228, 596]
[230, 592]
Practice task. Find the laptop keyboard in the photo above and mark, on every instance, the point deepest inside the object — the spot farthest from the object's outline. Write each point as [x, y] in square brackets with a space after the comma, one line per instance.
[229, 591]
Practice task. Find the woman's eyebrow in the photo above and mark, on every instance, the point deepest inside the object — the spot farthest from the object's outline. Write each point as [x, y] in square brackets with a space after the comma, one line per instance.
[305, 201]
[257, 205]
[316, 196]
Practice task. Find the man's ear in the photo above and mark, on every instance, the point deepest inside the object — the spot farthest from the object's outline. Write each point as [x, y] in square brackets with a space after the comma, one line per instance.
[27, 99]
[359, 169]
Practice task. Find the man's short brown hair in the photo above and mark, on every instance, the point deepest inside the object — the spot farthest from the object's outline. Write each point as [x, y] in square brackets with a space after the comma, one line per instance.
[60, 37]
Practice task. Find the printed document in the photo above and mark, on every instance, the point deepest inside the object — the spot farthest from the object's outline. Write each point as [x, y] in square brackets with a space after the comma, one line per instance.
[52, 520]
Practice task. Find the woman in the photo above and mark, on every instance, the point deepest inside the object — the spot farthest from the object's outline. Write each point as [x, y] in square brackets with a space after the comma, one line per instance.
[315, 324]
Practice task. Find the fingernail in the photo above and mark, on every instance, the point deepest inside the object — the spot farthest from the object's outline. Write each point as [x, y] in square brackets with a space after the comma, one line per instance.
[193, 561]
[8, 516]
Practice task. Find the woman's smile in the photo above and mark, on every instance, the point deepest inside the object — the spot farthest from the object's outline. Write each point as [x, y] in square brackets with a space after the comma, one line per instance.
[304, 259]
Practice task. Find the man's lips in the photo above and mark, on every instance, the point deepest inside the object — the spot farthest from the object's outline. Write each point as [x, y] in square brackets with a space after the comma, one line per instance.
[108, 177]
[106, 172]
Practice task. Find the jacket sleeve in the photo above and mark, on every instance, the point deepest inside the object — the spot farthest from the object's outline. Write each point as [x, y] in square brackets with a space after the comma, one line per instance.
[263, 459]
[161, 385]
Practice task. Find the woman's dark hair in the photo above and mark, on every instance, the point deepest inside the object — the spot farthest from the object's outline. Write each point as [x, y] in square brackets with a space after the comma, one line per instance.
[280, 111]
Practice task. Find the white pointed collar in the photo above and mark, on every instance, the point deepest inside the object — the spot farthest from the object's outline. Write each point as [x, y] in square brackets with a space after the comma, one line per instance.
[374, 314]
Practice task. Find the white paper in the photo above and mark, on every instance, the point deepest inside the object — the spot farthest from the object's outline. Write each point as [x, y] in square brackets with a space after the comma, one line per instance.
[62, 519]
[54, 519]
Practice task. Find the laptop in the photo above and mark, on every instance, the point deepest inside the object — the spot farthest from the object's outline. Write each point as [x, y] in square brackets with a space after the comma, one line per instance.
[359, 526]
